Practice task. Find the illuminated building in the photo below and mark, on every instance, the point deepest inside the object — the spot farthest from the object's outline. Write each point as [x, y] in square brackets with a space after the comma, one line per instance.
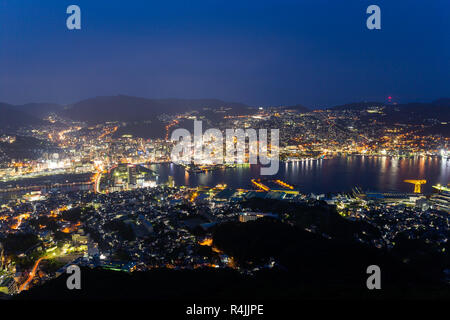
[251, 216]
[441, 200]
[8, 286]
[132, 177]
[127, 177]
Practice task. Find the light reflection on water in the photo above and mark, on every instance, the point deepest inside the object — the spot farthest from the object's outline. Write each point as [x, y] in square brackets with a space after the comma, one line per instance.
[328, 175]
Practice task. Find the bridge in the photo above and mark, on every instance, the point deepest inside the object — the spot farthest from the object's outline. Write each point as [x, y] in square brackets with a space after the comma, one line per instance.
[284, 184]
[44, 186]
[260, 185]
[286, 188]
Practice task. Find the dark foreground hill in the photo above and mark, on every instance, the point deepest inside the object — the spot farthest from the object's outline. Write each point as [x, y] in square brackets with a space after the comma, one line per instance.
[211, 284]
[308, 266]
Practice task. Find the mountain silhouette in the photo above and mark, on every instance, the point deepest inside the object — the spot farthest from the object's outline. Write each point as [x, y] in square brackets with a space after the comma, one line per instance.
[127, 108]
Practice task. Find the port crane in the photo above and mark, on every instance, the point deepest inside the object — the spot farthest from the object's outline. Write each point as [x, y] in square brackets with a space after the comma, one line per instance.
[417, 184]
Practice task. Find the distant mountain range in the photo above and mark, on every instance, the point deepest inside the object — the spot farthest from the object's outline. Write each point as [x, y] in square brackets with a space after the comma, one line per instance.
[13, 117]
[357, 106]
[128, 109]
[110, 108]
[40, 110]
[438, 109]
[298, 107]
[409, 112]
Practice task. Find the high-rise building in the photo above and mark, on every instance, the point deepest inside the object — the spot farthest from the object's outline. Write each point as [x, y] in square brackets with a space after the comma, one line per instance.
[132, 177]
[251, 216]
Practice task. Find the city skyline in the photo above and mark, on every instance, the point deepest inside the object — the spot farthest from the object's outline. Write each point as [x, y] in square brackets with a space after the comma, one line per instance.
[187, 154]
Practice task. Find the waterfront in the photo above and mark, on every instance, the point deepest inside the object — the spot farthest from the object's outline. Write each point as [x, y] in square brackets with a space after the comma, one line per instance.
[57, 182]
[329, 175]
[337, 174]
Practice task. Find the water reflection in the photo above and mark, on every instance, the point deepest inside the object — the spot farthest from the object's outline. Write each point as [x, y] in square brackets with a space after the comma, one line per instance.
[328, 175]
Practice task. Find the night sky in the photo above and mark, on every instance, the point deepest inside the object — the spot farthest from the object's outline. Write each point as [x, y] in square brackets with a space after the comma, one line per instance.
[312, 52]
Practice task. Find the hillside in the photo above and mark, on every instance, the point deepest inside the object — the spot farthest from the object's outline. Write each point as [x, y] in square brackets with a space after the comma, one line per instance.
[126, 108]
[40, 110]
[209, 284]
[26, 148]
[299, 108]
[356, 106]
[415, 111]
[12, 118]
[439, 109]
[307, 265]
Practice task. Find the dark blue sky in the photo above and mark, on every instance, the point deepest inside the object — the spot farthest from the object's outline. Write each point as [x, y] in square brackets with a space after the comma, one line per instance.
[312, 52]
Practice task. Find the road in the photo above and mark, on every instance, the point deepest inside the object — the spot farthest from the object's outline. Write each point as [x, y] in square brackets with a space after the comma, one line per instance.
[32, 274]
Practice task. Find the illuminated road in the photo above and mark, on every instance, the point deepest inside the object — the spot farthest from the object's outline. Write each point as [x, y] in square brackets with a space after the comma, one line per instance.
[96, 180]
[31, 275]
[173, 123]
[19, 220]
